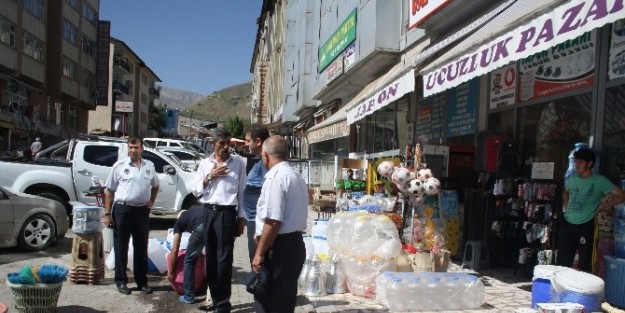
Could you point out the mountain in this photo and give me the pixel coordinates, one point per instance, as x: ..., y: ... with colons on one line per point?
x: 176, y: 98
x: 228, y: 102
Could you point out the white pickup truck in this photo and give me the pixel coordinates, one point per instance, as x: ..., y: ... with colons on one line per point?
x: 64, y: 172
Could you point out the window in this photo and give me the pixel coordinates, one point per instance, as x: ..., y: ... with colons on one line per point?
x: 35, y: 7
x: 612, y: 160
x: 159, y: 163
x: 88, y: 79
x: 144, y: 79
x: 144, y: 98
x: 69, y: 68
x: 183, y: 155
x: 72, y: 3
x: 73, y: 118
x: 33, y: 47
x: 59, y: 114
x: 89, y: 14
x: 88, y: 46
x: 151, y: 143
x: 7, y: 32
x: 70, y: 32
x: 101, y: 155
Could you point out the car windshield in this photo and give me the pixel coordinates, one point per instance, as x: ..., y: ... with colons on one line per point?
x: 176, y: 160
x: 187, y: 146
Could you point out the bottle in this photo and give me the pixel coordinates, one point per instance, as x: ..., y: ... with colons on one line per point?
x: 571, y: 169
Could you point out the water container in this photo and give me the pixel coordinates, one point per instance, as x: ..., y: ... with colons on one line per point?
x: 158, y: 255
x: 184, y: 240
x: 619, y: 230
x: 541, y: 285
x: 107, y: 239
x: 578, y: 287
x: 87, y: 219
x: 571, y: 169
x: 320, y: 228
x: 615, y: 281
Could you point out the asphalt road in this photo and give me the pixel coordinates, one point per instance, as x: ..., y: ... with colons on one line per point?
x: 104, y: 297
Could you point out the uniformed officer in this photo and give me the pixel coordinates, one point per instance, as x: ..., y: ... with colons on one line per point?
x: 130, y: 192
x: 281, y: 217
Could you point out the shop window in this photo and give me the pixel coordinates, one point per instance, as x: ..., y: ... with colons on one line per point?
x: 548, y: 131
x: 73, y: 118
x: 612, y: 163
x: 378, y: 132
x: 501, y: 123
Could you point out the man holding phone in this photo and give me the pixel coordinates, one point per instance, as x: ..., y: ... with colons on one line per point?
x: 220, y: 182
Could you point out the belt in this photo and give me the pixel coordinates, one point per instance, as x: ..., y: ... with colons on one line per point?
x: 130, y: 204
x: 218, y: 207
x: 292, y: 234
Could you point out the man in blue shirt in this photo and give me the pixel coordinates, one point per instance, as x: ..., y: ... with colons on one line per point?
x: 255, y: 135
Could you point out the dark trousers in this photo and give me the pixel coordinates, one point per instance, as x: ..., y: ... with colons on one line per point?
x: 220, y: 227
x: 129, y: 221
x: 251, y: 243
x: 194, y: 251
x: 574, y: 237
x: 284, y: 261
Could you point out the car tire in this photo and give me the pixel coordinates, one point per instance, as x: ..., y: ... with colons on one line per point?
x: 37, y: 233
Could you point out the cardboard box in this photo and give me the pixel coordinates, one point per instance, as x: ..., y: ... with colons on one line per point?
x: 560, y: 308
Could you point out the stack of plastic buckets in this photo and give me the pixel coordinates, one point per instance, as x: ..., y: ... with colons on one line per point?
x: 615, y: 266
x: 541, y: 282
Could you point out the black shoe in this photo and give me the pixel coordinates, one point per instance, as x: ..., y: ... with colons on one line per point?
x: 123, y: 289
x: 208, y: 308
x: 146, y: 290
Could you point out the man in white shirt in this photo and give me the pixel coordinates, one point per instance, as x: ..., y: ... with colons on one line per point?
x: 281, y: 216
x: 35, y: 147
x: 220, y: 181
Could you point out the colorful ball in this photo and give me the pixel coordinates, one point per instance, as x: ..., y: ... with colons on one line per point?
x: 401, y: 176
x: 432, y: 186
x: 386, y: 169
x: 424, y: 174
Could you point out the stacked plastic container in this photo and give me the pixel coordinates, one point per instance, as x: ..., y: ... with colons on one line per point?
x: 401, y: 291
x: 541, y: 282
x: 578, y: 287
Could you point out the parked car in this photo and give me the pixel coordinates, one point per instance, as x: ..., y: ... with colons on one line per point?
x: 190, y: 158
x: 30, y: 222
x: 63, y: 172
x: 167, y: 142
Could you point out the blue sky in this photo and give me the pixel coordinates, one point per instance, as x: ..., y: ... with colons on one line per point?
x: 194, y: 45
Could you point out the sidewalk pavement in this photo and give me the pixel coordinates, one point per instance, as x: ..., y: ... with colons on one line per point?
x: 504, y: 291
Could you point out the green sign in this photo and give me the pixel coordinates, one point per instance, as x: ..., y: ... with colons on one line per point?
x: 342, y: 37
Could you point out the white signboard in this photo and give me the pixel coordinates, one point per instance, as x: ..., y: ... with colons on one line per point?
x: 568, y: 21
x: 420, y: 10
x: 124, y: 106
x: 503, y: 87
x: 380, y: 99
x: 542, y: 170
x: 617, y: 51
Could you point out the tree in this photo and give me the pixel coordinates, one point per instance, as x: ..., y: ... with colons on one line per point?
x: 235, y: 126
x: 159, y: 123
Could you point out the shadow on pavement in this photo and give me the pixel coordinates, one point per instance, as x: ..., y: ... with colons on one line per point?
x: 77, y: 309
x: 55, y: 251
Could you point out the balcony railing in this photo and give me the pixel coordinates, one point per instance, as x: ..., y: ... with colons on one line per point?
x: 156, y: 92
x: 119, y: 87
x: 122, y: 62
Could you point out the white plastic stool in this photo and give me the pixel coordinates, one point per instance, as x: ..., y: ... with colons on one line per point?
x: 475, y: 255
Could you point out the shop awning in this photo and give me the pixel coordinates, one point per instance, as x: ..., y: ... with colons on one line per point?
x: 333, y: 127
x: 521, y: 30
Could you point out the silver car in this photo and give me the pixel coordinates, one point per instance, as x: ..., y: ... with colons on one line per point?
x: 30, y: 222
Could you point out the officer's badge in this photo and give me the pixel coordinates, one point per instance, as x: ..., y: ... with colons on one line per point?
x: 126, y: 171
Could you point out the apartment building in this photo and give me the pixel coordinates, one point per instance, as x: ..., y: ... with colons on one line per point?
x: 131, y: 94
x: 47, y: 69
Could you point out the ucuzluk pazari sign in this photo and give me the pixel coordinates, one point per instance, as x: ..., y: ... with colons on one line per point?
x: 570, y: 20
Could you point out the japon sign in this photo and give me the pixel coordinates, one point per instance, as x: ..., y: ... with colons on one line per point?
x: 380, y: 99
x: 566, y: 22
x: 420, y: 10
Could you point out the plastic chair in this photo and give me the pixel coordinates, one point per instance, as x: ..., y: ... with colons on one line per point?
x: 476, y: 255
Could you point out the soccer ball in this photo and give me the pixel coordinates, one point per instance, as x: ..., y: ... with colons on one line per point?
x: 416, y: 187
x: 400, y: 176
x: 432, y: 186
x: 386, y: 169
x: 424, y: 174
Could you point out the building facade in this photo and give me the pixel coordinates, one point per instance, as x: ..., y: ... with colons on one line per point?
x: 131, y: 94
x: 47, y: 69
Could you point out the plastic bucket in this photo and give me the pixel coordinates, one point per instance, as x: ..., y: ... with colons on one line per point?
x: 615, y: 281
x: 86, y: 219
x: 579, y: 287
x: 541, y: 285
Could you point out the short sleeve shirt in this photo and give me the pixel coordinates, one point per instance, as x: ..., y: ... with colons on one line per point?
x: 585, y: 194
x: 284, y: 198
x: 189, y: 220
x: 130, y: 183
